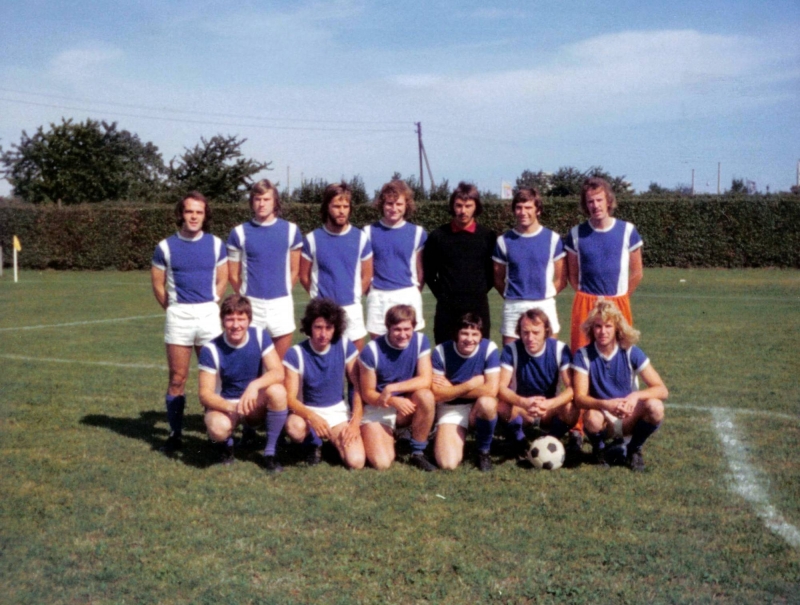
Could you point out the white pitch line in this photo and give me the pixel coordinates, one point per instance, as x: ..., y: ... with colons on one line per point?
x: 747, y: 481
x: 146, y: 366
x: 80, y: 323
x: 711, y: 409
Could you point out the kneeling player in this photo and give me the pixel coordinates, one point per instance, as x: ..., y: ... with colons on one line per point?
x: 607, y: 386
x: 241, y: 382
x: 465, y: 376
x: 531, y: 369
x: 395, y: 377
x: 315, y: 373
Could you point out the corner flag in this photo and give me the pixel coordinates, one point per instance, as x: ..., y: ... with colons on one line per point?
x: 17, y: 248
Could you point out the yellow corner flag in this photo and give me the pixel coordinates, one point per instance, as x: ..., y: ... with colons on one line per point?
x: 17, y: 245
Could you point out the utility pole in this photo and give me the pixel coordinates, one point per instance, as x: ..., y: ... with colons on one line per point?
x: 421, y: 151
x: 692, y: 181
x: 288, y: 179
x: 719, y: 168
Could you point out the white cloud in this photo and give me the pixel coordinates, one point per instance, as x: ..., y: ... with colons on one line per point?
x: 83, y: 64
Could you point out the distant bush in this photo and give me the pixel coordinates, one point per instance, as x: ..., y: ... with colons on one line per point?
x: 707, y: 231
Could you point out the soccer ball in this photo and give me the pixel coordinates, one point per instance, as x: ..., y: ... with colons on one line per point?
x: 546, y: 453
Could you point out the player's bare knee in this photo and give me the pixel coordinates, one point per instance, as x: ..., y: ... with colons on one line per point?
x: 593, y: 421
x: 425, y: 400
x: 218, y: 426
x: 296, y: 428
x: 275, y: 395
x: 653, y: 411
x: 487, y: 407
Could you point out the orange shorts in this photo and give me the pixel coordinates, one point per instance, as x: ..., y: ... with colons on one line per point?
x: 582, y: 305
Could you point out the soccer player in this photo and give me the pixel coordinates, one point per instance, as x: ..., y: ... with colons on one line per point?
x: 397, y: 257
x: 241, y: 382
x: 604, y: 257
x: 457, y: 260
x: 536, y: 383
x: 336, y: 260
x: 466, y: 373
x: 607, y: 386
x: 395, y: 380
x: 315, y: 373
x: 263, y: 264
x: 189, y: 275
x: 528, y: 265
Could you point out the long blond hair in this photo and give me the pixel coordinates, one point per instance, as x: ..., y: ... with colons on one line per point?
x: 605, y: 310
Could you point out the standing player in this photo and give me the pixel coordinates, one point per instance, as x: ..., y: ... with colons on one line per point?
x: 241, y: 382
x: 315, y: 373
x: 189, y: 275
x: 528, y: 265
x: 395, y: 380
x: 531, y: 371
x: 607, y: 386
x: 604, y: 257
x: 458, y: 264
x: 465, y: 377
x: 397, y: 261
x: 336, y: 261
x: 263, y: 263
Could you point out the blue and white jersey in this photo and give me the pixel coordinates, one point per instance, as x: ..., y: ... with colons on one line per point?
x: 614, y: 376
x: 395, y: 249
x: 530, y: 263
x: 191, y: 267
x: 264, y: 249
x: 536, y: 375
x: 336, y: 263
x: 603, y: 256
x: 394, y: 365
x: 235, y: 367
x: 451, y: 364
x: 322, y: 375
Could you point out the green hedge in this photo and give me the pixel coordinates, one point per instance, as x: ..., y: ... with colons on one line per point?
x: 708, y: 231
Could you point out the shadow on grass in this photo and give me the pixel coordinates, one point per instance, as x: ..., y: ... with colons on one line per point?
x: 196, y: 451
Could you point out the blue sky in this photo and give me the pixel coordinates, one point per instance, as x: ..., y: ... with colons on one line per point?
x: 330, y: 89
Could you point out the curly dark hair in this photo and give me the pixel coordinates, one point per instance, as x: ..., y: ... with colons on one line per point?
x: 329, y: 311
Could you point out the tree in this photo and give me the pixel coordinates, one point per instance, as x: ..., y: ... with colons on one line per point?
x: 440, y: 192
x: 83, y: 162
x: 657, y: 189
x: 216, y: 168
x: 568, y: 180
x: 534, y: 180
x: 737, y: 186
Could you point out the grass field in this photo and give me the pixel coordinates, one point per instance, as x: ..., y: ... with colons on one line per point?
x: 91, y: 513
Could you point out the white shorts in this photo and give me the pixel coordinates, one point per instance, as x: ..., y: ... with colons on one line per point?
x: 614, y: 425
x: 334, y: 415
x: 387, y: 415
x: 457, y: 413
x: 276, y: 315
x: 512, y: 309
x: 192, y: 324
x: 380, y: 301
x: 355, y: 322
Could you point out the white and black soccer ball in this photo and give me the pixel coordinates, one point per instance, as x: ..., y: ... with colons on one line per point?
x: 546, y: 453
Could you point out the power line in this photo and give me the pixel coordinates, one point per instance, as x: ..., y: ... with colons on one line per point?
x: 191, y: 112
x: 204, y: 122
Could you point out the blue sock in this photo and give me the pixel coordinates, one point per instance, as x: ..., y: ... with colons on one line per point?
x: 484, y: 433
x: 175, y: 406
x: 558, y: 428
x: 312, y: 439
x: 274, y: 422
x: 417, y: 447
x: 641, y: 431
x: 514, y: 430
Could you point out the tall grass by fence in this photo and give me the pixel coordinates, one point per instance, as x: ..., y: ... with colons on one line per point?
x: 707, y: 231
